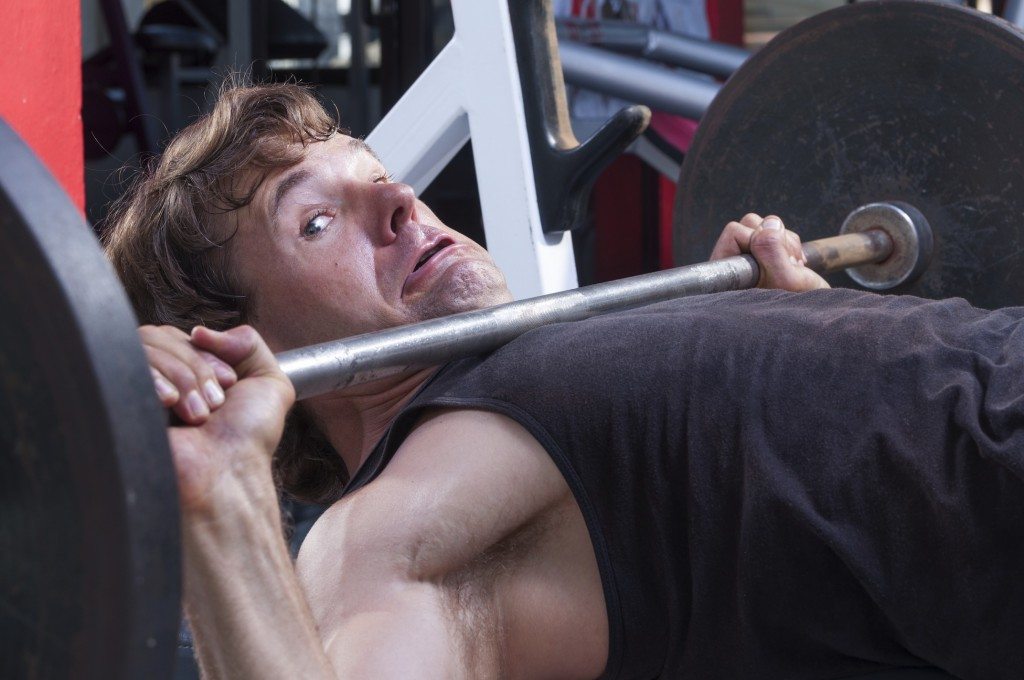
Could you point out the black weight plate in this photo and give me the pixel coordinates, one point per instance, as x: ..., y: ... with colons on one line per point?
x: 890, y: 100
x: 89, y: 528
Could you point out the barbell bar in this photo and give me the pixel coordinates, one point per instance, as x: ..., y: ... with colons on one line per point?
x: 883, y: 245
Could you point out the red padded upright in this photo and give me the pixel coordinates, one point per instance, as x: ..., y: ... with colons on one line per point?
x: 725, y: 18
x: 41, y: 72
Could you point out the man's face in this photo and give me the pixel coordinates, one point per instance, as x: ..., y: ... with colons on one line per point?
x: 331, y: 247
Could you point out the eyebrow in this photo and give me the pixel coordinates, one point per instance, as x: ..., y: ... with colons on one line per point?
x: 363, y: 146
x: 300, y: 175
x: 290, y: 181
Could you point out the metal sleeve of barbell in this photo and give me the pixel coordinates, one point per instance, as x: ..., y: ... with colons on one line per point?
x: 849, y: 250
x: 332, y: 366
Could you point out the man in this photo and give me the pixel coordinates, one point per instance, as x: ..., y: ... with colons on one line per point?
x: 679, y: 491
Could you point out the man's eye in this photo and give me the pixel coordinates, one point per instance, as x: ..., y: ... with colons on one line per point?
x: 317, y: 224
x: 383, y: 179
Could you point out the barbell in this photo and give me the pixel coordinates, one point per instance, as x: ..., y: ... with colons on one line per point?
x: 89, y: 534
x: 884, y: 245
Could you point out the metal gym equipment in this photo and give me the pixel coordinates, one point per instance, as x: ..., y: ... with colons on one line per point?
x: 696, y: 54
x: 89, y: 544
x: 499, y: 79
x: 636, y: 80
x: 877, y: 101
x: 90, y: 558
x: 477, y: 86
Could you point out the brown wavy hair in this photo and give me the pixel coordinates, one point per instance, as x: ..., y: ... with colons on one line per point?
x: 169, y: 236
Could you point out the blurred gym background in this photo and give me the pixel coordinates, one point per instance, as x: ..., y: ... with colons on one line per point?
x: 361, y: 55
x: 148, y: 67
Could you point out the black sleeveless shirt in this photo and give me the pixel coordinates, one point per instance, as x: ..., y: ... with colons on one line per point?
x: 781, y: 486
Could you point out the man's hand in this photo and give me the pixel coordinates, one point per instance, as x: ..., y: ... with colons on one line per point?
x: 249, y: 615
x: 776, y: 250
x: 231, y: 399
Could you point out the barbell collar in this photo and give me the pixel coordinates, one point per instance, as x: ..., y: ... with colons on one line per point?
x: 336, y: 365
x: 911, y: 250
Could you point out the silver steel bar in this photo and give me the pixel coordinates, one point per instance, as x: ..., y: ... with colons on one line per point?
x: 333, y: 366
x: 1014, y: 12
x: 700, y: 55
x: 703, y: 56
x: 636, y: 80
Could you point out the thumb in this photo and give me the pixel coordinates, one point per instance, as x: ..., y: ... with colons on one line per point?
x: 768, y: 246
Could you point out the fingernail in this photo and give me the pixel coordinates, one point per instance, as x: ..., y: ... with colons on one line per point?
x: 214, y: 394
x: 196, y: 406
x: 793, y: 261
x: 772, y: 223
x: 164, y: 388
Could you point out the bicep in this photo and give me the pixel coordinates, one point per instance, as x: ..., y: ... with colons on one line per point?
x: 377, y: 566
x: 469, y: 479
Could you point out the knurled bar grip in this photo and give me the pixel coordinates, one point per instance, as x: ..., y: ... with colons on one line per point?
x: 332, y: 366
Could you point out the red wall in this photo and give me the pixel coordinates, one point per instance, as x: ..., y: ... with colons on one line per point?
x: 41, y: 83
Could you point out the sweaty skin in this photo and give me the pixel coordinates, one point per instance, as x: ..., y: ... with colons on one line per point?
x: 468, y: 556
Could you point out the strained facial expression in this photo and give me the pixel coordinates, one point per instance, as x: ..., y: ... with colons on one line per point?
x: 331, y: 247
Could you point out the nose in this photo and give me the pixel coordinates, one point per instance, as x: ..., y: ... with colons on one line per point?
x: 398, y: 208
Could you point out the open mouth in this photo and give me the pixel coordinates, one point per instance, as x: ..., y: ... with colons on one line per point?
x: 441, y: 245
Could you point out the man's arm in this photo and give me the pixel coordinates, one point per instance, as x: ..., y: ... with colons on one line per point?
x: 466, y: 558
x: 243, y: 601
x: 385, y: 617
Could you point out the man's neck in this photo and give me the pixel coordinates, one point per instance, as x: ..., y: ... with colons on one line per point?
x: 355, y: 419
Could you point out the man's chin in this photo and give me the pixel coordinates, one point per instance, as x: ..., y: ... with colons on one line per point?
x: 463, y: 288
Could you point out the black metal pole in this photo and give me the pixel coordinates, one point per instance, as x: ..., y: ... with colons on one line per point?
x: 130, y: 75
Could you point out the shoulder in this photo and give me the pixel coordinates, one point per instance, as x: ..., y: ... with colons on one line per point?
x: 427, y: 553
